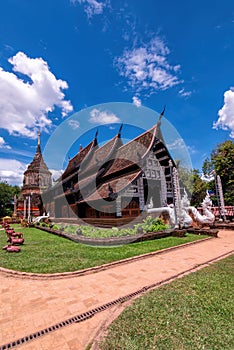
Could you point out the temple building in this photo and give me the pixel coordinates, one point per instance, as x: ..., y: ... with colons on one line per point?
x: 114, y: 180
x: 37, y: 178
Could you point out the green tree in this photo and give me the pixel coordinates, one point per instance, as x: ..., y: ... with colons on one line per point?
x: 194, y: 185
x: 222, y: 161
x: 7, y: 193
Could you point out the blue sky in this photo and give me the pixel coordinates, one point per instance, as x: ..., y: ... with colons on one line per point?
x: 60, y: 57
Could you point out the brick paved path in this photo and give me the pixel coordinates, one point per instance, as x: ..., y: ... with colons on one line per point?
x: 28, y: 305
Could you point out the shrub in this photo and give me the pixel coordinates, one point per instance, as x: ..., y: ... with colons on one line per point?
x: 153, y: 224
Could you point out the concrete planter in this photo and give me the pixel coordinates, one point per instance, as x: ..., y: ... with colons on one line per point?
x: 204, y: 231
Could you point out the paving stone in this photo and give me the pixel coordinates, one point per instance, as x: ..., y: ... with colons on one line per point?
x: 28, y: 305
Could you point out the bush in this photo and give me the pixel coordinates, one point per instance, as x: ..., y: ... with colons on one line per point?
x: 153, y: 224
x: 148, y: 225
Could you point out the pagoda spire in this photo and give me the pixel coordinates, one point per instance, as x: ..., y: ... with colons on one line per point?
x: 39, y: 138
x: 38, y: 142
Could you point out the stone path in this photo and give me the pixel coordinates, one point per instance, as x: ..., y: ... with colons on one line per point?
x: 29, y: 305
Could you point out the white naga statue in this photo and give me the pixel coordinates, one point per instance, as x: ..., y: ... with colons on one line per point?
x: 181, y: 219
x: 151, y: 203
x: 207, y: 217
x: 184, y: 220
x: 40, y: 218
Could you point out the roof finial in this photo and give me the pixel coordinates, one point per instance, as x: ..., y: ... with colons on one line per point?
x: 120, y: 129
x: 161, y: 115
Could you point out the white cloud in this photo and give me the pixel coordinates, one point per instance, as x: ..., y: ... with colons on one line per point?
x: 92, y: 7
x: 147, y: 68
x: 74, y: 124
x: 136, y: 101
x: 55, y: 174
x: 3, y: 143
x: 191, y: 150
x: 12, y: 171
x: 185, y: 93
x: 24, y: 105
x: 226, y: 113
x: 103, y: 117
x: 179, y: 144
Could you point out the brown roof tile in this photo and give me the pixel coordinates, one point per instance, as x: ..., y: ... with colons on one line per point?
x: 100, y: 155
x: 82, y: 183
x: 117, y: 184
x: 133, y: 151
x: 77, y: 159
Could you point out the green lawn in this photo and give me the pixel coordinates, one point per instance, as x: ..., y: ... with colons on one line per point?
x: 46, y: 253
x: 192, y: 313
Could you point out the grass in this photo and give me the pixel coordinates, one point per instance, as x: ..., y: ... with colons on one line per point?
x: 192, y: 313
x: 46, y: 253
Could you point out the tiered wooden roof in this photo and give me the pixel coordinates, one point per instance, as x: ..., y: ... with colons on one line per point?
x: 132, y: 152
x: 113, y: 166
x: 124, y: 168
x: 100, y: 156
x: 117, y: 185
x: 76, y: 161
